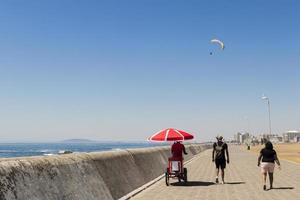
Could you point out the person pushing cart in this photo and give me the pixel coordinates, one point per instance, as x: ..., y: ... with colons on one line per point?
x: 175, y: 167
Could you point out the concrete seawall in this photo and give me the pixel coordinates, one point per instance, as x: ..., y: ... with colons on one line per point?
x: 84, y: 176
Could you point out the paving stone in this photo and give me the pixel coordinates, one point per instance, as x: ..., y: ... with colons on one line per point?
x: 242, y: 177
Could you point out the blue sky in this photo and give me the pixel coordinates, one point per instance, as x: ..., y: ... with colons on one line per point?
x: 122, y: 70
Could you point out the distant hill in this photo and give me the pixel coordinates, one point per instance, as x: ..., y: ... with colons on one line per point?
x: 78, y: 141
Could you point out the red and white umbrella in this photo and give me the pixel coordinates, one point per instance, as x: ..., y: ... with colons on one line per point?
x: 171, y: 134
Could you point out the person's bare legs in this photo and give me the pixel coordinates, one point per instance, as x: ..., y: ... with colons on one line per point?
x: 264, y: 175
x: 217, y: 175
x: 223, y: 175
x: 271, y: 180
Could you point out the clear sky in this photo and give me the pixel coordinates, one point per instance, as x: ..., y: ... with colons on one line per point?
x: 122, y: 70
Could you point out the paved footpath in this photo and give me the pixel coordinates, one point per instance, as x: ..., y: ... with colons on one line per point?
x: 243, y: 181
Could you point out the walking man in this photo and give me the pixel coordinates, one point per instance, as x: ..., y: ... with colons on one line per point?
x: 218, y: 156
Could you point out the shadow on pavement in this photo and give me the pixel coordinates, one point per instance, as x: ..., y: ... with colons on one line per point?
x: 282, y: 188
x: 235, y: 183
x: 193, y: 183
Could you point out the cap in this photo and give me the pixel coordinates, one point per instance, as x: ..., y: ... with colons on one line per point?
x: 219, y: 137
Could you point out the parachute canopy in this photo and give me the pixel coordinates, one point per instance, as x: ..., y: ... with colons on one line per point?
x: 219, y: 42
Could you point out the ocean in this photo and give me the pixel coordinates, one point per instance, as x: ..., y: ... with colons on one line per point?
x: 8, y: 150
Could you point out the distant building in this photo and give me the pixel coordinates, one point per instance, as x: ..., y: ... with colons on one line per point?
x: 263, y: 138
x: 291, y: 136
x: 275, y: 138
x: 245, y: 137
x: 242, y: 137
x: 254, y: 140
x: 297, y: 139
x: 237, y: 137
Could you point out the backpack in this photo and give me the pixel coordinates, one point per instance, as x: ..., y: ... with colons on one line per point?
x: 218, y: 151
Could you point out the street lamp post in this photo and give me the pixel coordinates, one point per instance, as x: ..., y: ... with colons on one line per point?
x: 269, y: 108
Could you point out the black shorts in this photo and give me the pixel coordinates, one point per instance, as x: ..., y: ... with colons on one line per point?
x: 220, y: 163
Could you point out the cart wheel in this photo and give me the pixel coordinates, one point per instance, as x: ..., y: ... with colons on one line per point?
x: 185, y: 178
x: 167, y: 178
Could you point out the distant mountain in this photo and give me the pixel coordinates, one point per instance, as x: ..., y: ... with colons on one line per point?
x: 78, y: 141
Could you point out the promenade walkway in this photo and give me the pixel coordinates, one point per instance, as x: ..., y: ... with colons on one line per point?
x: 243, y: 181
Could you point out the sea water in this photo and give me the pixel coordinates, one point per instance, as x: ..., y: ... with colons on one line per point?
x: 37, y: 149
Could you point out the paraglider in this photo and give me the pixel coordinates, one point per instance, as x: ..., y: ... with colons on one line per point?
x: 219, y: 42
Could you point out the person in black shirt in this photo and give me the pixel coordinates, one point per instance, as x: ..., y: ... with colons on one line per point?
x: 266, y: 161
x: 218, y: 156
